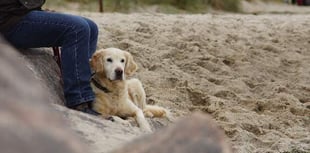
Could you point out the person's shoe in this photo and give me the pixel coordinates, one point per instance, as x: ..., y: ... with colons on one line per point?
x: 86, y: 108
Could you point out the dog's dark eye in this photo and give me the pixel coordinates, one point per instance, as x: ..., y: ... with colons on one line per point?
x: 110, y: 60
x: 122, y: 60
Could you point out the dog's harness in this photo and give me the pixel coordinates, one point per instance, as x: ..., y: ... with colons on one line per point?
x: 98, y: 85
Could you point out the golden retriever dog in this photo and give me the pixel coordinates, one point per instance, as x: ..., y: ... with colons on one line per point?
x: 116, y: 95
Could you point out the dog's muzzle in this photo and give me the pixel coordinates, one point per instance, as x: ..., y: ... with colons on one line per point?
x: 119, y: 74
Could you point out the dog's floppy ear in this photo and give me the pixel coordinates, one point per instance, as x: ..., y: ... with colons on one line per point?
x: 131, y: 65
x: 96, y: 62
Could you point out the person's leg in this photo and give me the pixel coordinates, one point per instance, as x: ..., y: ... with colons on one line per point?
x: 77, y: 39
x: 93, y: 36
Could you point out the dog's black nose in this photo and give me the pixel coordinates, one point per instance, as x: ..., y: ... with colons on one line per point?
x: 119, y: 72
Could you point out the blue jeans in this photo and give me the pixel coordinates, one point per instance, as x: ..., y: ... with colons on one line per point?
x: 77, y: 37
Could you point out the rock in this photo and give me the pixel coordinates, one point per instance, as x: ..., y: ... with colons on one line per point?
x: 195, y: 134
x: 31, y: 119
x: 46, y: 70
x: 99, y: 134
x: 27, y: 124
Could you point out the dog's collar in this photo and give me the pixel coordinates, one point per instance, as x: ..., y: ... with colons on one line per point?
x: 99, y: 86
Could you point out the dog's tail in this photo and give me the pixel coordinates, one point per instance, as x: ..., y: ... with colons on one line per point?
x: 156, y: 111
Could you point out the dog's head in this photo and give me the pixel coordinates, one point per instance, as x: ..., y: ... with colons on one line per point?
x: 114, y: 63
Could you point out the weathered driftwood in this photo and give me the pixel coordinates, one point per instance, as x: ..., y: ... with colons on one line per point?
x: 27, y: 124
x: 195, y: 134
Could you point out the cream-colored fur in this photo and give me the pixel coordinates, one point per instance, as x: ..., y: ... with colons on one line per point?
x: 126, y: 98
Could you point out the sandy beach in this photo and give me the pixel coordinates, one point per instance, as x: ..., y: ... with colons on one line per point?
x: 251, y: 73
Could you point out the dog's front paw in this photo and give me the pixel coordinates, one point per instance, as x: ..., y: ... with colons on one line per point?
x: 121, y: 121
x: 110, y: 118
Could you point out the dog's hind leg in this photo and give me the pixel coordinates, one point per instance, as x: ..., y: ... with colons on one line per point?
x: 157, y: 111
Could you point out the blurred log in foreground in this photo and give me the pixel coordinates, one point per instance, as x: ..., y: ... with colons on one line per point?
x: 194, y: 134
x: 27, y: 123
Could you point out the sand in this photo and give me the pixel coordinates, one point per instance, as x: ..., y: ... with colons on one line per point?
x: 251, y: 73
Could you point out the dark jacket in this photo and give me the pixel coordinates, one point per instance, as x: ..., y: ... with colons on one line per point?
x: 11, y: 11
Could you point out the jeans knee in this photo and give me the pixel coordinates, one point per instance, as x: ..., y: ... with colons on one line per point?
x: 93, y: 27
x: 84, y: 26
x: 80, y: 27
